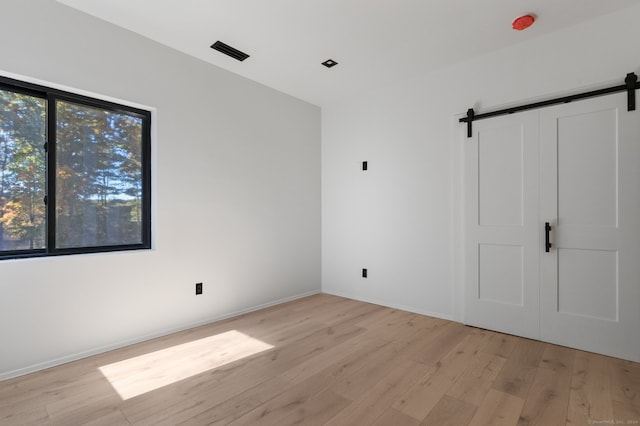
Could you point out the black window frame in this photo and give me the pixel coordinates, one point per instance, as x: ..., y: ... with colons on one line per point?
x: 51, y: 96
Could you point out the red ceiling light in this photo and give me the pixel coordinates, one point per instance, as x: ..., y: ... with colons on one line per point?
x: 523, y: 22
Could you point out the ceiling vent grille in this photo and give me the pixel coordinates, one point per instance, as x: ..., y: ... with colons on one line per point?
x: 229, y: 51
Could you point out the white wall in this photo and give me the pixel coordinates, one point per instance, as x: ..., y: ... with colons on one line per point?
x: 236, y: 195
x: 402, y: 219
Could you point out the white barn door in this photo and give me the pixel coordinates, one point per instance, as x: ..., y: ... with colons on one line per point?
x: 590, y: 192
x: 501, y: 225
x: 577, y: 167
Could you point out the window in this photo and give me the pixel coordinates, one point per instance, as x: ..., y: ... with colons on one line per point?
x: 74, y: 173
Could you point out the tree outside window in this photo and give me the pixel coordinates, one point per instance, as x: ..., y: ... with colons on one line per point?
x: 74, y: 174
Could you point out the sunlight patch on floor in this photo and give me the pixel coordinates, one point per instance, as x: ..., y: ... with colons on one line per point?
x: 145, y: 373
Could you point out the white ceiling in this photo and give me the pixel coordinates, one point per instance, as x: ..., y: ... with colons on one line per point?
x: 374, y: 41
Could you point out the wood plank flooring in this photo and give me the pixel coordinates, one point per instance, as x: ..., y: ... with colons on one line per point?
x: 326, y: 360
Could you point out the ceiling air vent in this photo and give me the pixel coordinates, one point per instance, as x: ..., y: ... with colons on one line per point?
x: 229, y: 51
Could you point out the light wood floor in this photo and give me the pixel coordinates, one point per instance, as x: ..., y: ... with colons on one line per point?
x: 328, y: 360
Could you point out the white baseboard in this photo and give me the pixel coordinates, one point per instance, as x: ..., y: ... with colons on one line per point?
x: 128, y: 342
x: 391, y: 305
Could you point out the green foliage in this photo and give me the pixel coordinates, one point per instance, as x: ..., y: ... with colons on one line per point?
x: 22, y: 171
x: 99, y: 171
x: 98, y: 174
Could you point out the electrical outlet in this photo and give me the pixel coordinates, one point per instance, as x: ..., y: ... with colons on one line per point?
x: 364, y: 272
x: 198, y: 288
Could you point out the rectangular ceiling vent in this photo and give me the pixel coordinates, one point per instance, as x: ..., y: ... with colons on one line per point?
x: 229, y: 51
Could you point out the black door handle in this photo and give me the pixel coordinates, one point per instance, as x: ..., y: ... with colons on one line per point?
x: 547, y: 230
